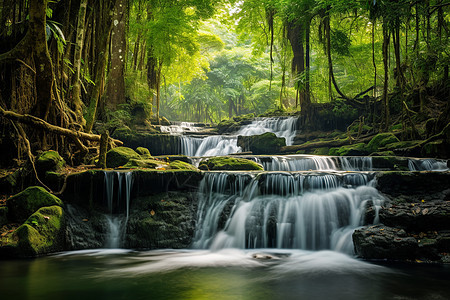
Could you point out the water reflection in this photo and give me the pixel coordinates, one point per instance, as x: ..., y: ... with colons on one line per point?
x: 225, y: 274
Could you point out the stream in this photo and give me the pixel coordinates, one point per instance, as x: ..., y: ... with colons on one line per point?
x: 285, y: 233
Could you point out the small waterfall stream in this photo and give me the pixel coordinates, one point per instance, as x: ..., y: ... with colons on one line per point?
x: 227, y: 144
x: 118, y: 201
x: 312, y: 211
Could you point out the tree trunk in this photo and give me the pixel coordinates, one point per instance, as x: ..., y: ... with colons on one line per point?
x: 295, y: 37
x: 327, y: 29
x: 76, y: 89
x: 44, y: 67
x: 385, y: 49
x: 115, y: 87
x: 102, y: 35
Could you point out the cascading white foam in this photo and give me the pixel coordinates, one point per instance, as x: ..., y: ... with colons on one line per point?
x: 223, y: 144
x: 283, y: 210
x: 114, y: 199
x: 427, y: 165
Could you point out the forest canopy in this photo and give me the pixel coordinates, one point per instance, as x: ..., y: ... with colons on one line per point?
x: 73, y: 69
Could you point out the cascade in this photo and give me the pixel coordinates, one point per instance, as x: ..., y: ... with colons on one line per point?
x: 117, y: 200
x: 310, y: 162
x: 310, y: 211
x: 427, y: 165
x: 180, y: 128
x: 223, y: 145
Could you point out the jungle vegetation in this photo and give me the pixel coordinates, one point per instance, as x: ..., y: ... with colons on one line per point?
x: 69, y: 69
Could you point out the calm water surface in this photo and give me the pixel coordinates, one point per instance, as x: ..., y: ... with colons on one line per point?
x: 225, y: 274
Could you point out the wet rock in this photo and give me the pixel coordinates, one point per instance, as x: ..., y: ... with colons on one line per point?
x: 229, y: 163
x: 266, y: 143
x: 85, y: 229
x: 23, y: 204
x: 417, y: 216
x: 144, y: 163
x: 414, y: 186
x: 165, y: 220
x: 382, y: 242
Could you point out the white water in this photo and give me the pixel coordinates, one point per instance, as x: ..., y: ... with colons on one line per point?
x: 115, y: 199
x: 427, y: 165
x: 282, y: 210
x: 310, y: 162
x: 223, y: 145
x: 183, y: 127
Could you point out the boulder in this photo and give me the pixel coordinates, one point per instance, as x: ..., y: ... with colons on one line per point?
x: 143, y: 151
x: 381, y: 140
x: 266, y: 143
x: 144, y: 163
x: 25, y: 203
x: 181, y: 165
x: 119, y: 156
x: 42, y: 233
x: 165, y: 220
x: 230, y: 164
x: 417, y: 217
x: 382, y: 242
x: 49, y: 161
x: 350, y: 150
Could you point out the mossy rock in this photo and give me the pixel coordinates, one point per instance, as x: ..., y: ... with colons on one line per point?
x: 25, y: 203
x: 383, y: 153
x: 266, y: 143
x: 119, y: 156
x: 181, y: 165
x: 143, y: 151
x: 41, y: 233
x: 321, y: 151
x: 381, y: 140
x: 350, y: 150
x: 436, y: 149
x: 144, y: 163
x: 49, y: 161
x: 229, y: 163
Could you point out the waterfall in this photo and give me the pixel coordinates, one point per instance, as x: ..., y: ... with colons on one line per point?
x: 310, y: 211
x: 117, y: 200
x: 427, y: 165
x: 311, y: 162
x: 223, y: 145
x: 180, y: 128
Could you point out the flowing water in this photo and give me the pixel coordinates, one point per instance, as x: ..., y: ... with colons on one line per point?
x: 227, y: 144
x: 117, y: 200
x: 284, y: 233
x: 226, y: 274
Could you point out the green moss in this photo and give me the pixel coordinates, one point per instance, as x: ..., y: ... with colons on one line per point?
x: 383, y: 153
x: 41, y: 233
x: 229, y: 163
x: 401, y: 145
x: 143, y: 151
x: 321, y: 151
x: 119, y: 156
x: 49, y: 161
x: 435, y: 149
x: 398, y: 126
x: 22, y: 205
x: 355, y: 149
x: 381, y: 140
x: 144, y: 163
x: 178, y: 164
